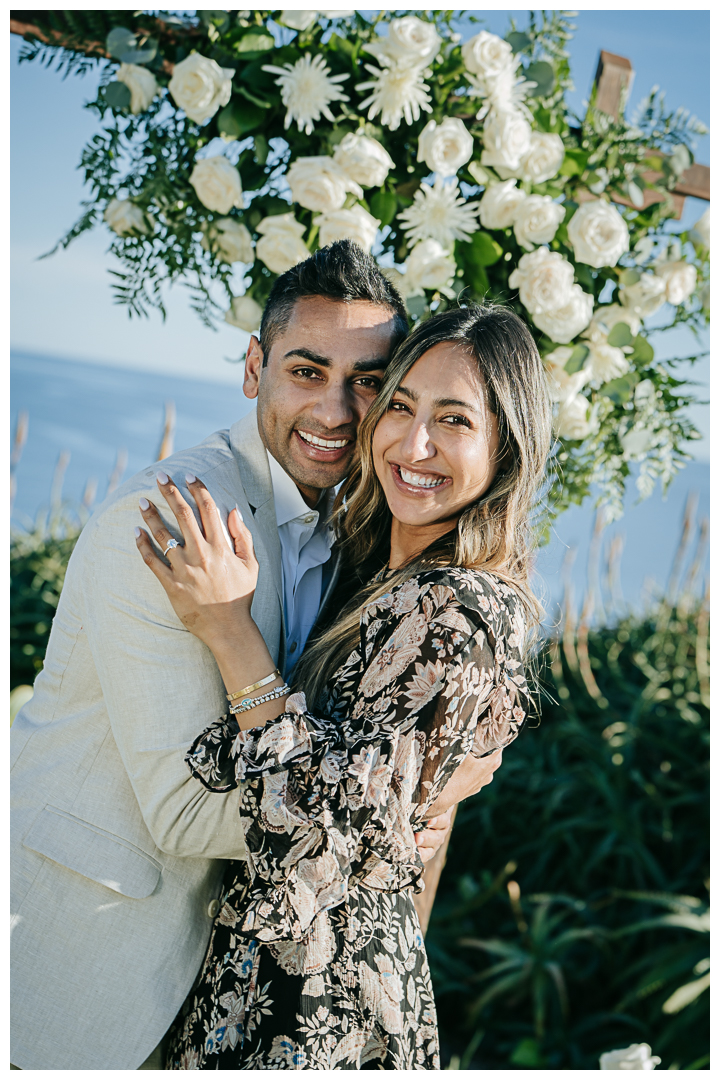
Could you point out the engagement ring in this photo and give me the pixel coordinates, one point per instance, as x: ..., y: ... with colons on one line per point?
x: 171, y: 544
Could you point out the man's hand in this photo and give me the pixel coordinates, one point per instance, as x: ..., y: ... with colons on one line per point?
x: 468, y: 779
x: 432, y: 839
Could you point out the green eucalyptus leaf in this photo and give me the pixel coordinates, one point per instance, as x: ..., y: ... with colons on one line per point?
x: 543, y: 74
x: 518, y: 41
x: 620, y: 390
x: 219, y: 19
x: 383, y: 206
x: 117, y: 95
x: 141, y: 56
x: 620, y: 335
x: 119, y: 41
x: 575, y: 163
x: 482, y: 250
x: 577, y: 359
x: 238, y: 118
x: 254, y: 44
x: 416, y: 306
x: 261, y: 149
x: 643, y: 352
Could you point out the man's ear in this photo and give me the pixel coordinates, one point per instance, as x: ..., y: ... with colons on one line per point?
x: 253, y: 366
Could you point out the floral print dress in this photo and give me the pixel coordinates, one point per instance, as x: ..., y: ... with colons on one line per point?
x: 316, y: 959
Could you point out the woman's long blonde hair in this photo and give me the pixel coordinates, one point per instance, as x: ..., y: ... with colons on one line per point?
x: 494, y: 532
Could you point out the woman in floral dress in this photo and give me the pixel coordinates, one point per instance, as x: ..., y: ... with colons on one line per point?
x: 316, y: 959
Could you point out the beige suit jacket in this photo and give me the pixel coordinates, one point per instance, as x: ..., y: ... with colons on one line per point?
x: 115, y: 846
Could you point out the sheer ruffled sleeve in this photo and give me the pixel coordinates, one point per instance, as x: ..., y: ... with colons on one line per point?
x: 327, y: 801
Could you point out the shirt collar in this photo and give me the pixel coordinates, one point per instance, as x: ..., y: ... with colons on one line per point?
x: 289, y: 503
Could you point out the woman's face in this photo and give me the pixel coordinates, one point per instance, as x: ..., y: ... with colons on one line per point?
x: 436, y: 449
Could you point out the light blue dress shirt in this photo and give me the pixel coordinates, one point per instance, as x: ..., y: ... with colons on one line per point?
x: 306, y: 543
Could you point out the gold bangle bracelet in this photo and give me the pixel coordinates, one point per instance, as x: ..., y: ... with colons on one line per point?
x: 254, y: 686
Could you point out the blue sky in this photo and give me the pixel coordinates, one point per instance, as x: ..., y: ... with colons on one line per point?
x: 63, y: 306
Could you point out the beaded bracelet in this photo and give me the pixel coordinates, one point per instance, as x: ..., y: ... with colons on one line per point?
x: 252, y: 703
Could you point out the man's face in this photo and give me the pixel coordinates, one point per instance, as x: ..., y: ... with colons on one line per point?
x: 321, y: 377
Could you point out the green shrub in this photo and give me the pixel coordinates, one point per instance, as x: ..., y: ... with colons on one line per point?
x: 546, y: 943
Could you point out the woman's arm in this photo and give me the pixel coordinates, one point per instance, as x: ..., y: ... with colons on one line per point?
x: 211, y: 586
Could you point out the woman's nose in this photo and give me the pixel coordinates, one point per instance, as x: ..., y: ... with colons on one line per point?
x: 417, y: 444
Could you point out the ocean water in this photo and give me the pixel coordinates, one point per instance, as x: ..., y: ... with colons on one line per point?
x: 94, y: 411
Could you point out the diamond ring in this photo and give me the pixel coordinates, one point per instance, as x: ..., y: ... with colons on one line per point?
x: 172, y: 543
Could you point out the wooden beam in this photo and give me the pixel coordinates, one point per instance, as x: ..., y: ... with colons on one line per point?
x: 695, y: 181
x: 614, y: 75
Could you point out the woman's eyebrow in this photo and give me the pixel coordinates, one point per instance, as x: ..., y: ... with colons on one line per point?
x: 438, y: 403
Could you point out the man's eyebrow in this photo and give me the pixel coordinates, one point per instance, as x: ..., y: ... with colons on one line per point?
x: 439, y: 403
x: 376, y: 363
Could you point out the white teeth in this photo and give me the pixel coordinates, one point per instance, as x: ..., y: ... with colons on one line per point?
x: 418, y: 480
x: 324, y: 444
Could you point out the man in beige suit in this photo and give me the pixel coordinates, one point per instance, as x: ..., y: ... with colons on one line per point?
x: 117, y: 850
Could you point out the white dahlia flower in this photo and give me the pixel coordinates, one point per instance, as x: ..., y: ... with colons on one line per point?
x: 281, y: 245
x: 200, y: 86
x: 245, y: 313
x: 141, y: 83
x: 397, y: 92
x: 536, y: 221
x: 562, y: 324
x: 445, y: 148
x: 507, y: 137
x: 500, y: 203
x: 409, y: 40
x: 349, y: 223
x: 598, y: 234
x: 364, y: 159
x: 307, y: 88
x: 544, y: 280
x: 439, y: 213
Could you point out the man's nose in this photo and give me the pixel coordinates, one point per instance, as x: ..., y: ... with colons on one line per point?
x: 417, y: 444
x: 333, y: 408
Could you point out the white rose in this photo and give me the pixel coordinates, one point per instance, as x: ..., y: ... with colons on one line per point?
x: 606, y: 362
x: 486, y: 54
x: 598, y: 234
x: 351, y: 223
x: 429, y: 266
x: 637, y: 1056
x: 700, y: 232
x: 507, y: 139
x: 409, y: 40
x: 566, y: 322
x: 562, y: 384
x: 445, y: 148
x: 537, y: 220
x: 298, y: 20
x: 281, y: 245
x: 245, y: 313
x: 680, y: 280
x: 543, y: 159
x: 610, y: 315
x: 544, y: 280
x: 318, y: 183
x: 230, y: 241
x: 645, y: 296
x: 573, y: 420
x: 125, y: 218
x: 141, y: 83
x: 200, y: 87
x: 500, y: 204
x: 217, y: 184
x: 364, y: 159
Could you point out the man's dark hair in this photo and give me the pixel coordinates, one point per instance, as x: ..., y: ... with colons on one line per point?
x: 341, y: 271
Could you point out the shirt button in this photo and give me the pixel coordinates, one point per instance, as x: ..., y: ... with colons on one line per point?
x: 293, y: 647
x: 213, y: 908
x: 308, y: 519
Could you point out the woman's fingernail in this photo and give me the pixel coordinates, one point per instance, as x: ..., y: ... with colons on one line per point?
x: 238, y: 511
x: 144, y: 504
x: 137, y: 532
x: 189, y: 478
x: 163, y: 477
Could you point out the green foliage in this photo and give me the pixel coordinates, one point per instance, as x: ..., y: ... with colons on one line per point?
x: 38, y: 561
x: 574, y: 903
